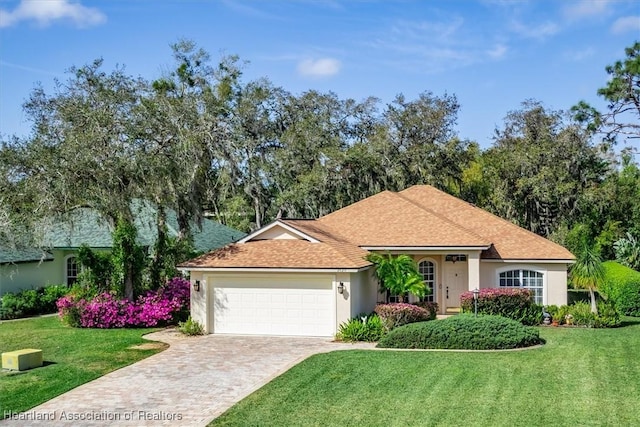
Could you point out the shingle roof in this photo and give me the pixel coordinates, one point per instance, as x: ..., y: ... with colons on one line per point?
x: 16, y: 255
x: 509, y: 240
x: 86, y: 226
x: 284, y: 253
x: 387, y: 219
x: 420, y: 216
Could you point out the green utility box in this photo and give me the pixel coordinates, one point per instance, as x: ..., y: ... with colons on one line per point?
x: 21, y: 360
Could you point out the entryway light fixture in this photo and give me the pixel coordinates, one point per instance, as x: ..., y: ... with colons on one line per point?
x: 341, y: 288
x: 196, y: 286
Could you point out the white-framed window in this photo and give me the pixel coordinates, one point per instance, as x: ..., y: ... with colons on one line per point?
x: 522, y: 278
x: 71, y: 270
x: 427, y: 269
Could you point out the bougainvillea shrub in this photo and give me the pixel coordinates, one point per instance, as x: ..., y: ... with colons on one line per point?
x: 513, y: 303
x: 168, y: 305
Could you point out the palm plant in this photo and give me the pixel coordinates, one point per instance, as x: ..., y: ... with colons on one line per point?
x: 588, y: 273
x: 628, y: 251
x: 399, y: 275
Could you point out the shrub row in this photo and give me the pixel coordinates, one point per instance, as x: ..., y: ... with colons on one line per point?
x: 622, y: 287
x: 579, y: 314
x: 464, y: 331
x: 31, y: 302
x: 361, y: 328
x: 168, y: 305
x: 513, y: 303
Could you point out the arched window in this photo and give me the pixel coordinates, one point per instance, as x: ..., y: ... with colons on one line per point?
x: 427, y: 269
x: 527, y: 279
x: 71, y: 270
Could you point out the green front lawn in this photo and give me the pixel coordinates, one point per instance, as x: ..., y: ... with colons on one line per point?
x: 72, y: 357
x: 586, y: 377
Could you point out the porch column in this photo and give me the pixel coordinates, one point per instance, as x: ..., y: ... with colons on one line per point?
x: 473, y: 264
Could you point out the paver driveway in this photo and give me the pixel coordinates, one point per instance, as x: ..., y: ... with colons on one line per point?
x: 189, y: 384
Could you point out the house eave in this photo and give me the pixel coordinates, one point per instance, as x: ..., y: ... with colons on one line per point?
x: 530, y: 260
x: 425, y: 248
x: 278, y: 223
x: 272, y: 269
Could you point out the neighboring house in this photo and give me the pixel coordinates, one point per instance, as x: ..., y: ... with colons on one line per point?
x: 27, y: 265
x: 306, y: 277
x: 28, y: 269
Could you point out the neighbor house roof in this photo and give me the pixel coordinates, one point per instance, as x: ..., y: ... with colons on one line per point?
x: 420, y: 217
x: 86, y: 226
x: 17, y: 255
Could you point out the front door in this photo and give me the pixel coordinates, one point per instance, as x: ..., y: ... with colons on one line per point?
x: 455, y: 284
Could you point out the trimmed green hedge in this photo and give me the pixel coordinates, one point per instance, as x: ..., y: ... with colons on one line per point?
x: 463, y: 332
x: 622, y: 287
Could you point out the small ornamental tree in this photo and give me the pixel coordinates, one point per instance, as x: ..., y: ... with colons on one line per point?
x: 588, y: 273
x: 399, y: 275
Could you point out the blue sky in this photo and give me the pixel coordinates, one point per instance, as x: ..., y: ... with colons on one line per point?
x: 492, y: 54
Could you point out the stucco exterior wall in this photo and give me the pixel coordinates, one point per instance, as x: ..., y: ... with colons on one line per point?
x: 199, y: 301
x: 555, y: 278
x: 363, y: 293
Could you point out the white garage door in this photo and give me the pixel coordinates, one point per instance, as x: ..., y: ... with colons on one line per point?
x: 273, y: 305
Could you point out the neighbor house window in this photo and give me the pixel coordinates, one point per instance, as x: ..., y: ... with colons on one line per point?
x: 72, y: 270
x: 428, y: 271
x: 527, y: 279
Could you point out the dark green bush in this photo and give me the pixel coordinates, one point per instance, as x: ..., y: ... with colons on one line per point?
x: 31, y: 302
x: 463, y: 332
x: 622, y: 287
x: 608, y: 315
x: 361, y: 328
x: 513, y: 303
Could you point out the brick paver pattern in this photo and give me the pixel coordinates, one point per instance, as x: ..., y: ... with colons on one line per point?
x: 189, y: 384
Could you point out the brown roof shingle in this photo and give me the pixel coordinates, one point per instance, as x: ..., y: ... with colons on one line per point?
x: 420, y: 216
x: 387, y: 219
x: 285, y: 253
x: 509, y: 240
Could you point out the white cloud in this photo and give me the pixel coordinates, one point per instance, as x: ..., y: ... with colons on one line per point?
x: 626, y: 24
x: 580, y: 55
x: 323, y: 67
x: 540, y: 31
x: 586, y: 9
x: 47, y: 11
x: 498, y: 51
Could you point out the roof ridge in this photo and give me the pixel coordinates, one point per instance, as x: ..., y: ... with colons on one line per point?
x: 327, y: 230
x: 425, y: 208
x: 484, y: 211
x: 354, y: 204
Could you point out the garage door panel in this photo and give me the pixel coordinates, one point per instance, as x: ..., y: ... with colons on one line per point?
x: 280, y: 306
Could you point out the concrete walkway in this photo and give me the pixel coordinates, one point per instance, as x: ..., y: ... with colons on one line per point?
x: 189, y: 384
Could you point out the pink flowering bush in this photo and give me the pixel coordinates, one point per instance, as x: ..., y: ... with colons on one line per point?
x: 398, y: 314
x: 169, y: 304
